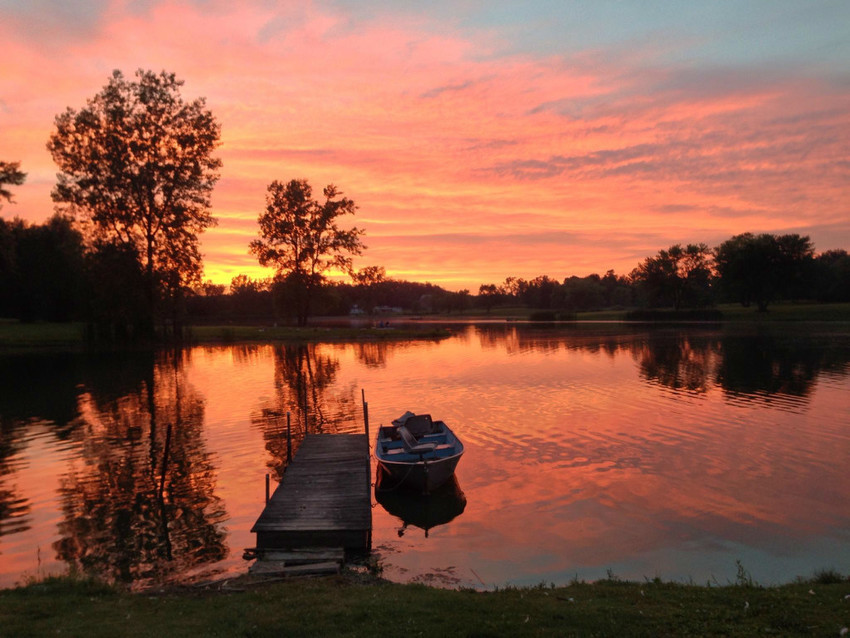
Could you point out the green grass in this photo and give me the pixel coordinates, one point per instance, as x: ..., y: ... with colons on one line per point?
x: 43, y: 335
x: 732, y: 313
x: 787, y: 312
x: 15, y: 335
x: 341, y: 606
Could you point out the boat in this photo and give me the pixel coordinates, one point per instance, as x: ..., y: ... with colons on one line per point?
x: 417, y: 452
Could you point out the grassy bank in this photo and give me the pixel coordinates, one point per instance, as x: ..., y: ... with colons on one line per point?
x: 736, y: 313
x: 732, y: 313
x: 15, y: 335
x: 839, y: 312
x: 341, y: 606
x: 22, y: 336
x: 40, y: 335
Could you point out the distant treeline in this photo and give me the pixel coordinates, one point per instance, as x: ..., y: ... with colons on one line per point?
x: 749, y: 269
x: 49, y: 273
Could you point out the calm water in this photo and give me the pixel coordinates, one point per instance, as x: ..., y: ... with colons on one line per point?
x: 590, y: 450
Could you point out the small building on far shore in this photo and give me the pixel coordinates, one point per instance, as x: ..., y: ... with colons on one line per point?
x: 387, y: 310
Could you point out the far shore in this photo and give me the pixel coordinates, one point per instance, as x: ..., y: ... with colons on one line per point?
x: 23, y: 336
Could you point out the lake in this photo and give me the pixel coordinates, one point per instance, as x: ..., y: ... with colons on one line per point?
x: 592, y: 450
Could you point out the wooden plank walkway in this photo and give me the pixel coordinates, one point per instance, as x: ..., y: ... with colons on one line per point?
x: 324, y: 499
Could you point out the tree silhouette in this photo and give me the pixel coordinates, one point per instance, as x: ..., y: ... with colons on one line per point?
x: 760, y: 268
x: 41, y: 270
x: 677, y: 276
x: 301, y: 238
x: 10, y: 173
x: 137, y: 161
x: 368, y: 281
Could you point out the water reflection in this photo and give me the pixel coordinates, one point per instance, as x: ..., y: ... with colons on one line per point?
x: 753, y: 362
x: 14, y: 507
x: 304, y: 381
x: 761, y: 364
x: 416, y: 509
x: 680, y: 362
x: 42, y: 388
x: 669, y: 452
x: 139, y: 501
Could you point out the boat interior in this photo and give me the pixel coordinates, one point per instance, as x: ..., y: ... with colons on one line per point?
x: 414, y: 437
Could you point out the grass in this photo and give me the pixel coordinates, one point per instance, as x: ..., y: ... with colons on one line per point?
x: 788, y: 312
x: 15, y: 335
x: 732, y: 313
x: 344, y: 606
x: 44, y: 335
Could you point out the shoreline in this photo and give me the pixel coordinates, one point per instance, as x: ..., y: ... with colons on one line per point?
x: 357, y: 603
x: 16, y: 336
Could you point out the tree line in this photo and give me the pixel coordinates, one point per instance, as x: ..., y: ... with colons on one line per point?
x: 47, y: 273
x: 750, y: 269
x: 137, y: 171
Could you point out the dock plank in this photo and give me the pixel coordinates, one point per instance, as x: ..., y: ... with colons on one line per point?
x: 324, y: 499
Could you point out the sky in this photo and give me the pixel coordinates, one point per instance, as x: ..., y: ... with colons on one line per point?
x: 480, y: 139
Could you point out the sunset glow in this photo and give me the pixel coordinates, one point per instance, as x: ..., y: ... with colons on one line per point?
x: 479, y: 140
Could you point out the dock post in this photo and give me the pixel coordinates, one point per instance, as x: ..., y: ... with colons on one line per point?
x: 368, y: 456
x: 365, y: 412
x: 267, y: 489
x: 288, y: 440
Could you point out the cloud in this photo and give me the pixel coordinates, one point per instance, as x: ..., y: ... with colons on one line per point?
x: 488, y: 157
x: 437, y: 91
x: 54, y: 24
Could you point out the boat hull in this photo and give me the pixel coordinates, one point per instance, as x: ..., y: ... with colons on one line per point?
x: 425, y: 476
x: 417, y: 452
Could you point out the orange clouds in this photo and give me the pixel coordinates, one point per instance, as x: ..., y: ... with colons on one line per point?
x: 468, y: 165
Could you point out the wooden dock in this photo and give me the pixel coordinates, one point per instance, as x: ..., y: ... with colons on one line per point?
x: 324, y: 499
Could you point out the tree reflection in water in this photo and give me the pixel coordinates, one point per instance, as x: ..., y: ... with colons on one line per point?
x: 781, y: 361
x: 139, y: 501
x: 679, y: 361
x: 24, y: 385
x: 741, y: 364
x: 14, y: 509
x: 304, y: 379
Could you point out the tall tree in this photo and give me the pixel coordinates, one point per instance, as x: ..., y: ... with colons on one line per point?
x: 369, y: 280
x: 138, y: 162
x: 10, y: 173
x: 488, y: 295
x: 41, y: 270
x: 761, y: 268
x: 831, y: 277
x: 677, y: 276
x: 302, y: 239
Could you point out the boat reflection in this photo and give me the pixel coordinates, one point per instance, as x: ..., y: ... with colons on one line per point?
x: 416, y: 509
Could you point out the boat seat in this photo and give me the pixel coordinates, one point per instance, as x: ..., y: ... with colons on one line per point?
x: 413, y: 446
x: 419, y: 424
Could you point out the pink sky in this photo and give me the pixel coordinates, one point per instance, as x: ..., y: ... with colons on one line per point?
x: 477, y: 144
